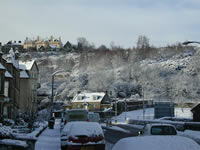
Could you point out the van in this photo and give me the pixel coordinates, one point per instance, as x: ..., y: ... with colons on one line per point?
x: 93, y: 117
x: 75, y: 115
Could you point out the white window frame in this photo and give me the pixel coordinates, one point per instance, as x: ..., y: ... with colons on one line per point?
x: 6, y: 88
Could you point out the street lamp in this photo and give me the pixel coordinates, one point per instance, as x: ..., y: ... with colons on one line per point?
x: 190, y: 42
x: 52, y: 84
x: 125, y: 108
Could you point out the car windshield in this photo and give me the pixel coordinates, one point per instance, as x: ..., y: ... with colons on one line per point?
x: 163, y: 130
x: 77, y: 117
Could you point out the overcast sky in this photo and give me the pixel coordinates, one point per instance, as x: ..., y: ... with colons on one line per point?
x: 101, y: 21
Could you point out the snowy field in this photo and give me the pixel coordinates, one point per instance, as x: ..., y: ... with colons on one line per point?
x: 149, y: 114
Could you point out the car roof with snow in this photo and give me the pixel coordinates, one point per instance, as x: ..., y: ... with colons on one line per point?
x: 83, y: 128
x: 156, y: 143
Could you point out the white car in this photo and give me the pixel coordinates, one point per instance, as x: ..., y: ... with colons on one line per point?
x: 81, y: 135
x: 156, y: 143
x: 159, y: 129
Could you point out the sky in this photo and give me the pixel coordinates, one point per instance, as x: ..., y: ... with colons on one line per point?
x: 101, y: 21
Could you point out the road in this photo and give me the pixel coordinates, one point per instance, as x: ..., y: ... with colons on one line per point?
x: 50, y: 138
x: 114, y: 134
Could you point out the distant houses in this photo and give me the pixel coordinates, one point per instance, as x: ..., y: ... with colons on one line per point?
x: 40, y: 44
x: 18, y: 84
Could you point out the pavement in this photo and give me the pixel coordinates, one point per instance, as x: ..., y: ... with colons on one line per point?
x: 50, y: 138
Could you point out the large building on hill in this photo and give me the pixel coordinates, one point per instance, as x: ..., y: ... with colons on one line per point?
x: 43, y: 43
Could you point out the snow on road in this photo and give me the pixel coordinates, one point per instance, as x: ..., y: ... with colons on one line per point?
x: 49, y: 139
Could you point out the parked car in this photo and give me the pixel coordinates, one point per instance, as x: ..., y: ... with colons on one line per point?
x: 93, y: 117
x: 156, y: 143
x: 159, y: 129
x: 81, y: 135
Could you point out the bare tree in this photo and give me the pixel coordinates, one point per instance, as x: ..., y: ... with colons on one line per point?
x: 142, y: 42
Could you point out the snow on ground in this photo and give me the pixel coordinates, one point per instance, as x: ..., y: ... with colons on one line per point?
x: 13, y: 142
x: 149, y: 114
x: 49, y: 139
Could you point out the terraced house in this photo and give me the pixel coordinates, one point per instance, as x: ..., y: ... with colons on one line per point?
x: 16, y: 90
x: 10, y: 85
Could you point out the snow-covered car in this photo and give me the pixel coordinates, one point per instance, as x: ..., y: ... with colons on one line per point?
x: 156, y: 143
x: 81, y: 135
x: 159, y: 129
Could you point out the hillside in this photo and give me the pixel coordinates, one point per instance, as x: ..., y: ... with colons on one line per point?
x: 165, y: 73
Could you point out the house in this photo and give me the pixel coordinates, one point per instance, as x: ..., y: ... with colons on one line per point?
x: 14, y: 45
x: 29, y: 75
x: 9, y: 85
x: 196, y: 113
x: 96, y: 101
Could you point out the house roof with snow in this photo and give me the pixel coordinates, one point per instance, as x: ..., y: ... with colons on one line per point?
x: 2, y: 67
x: 8, y: 75
x: 11, y: 59
x: 23, y: 74
x: 89, y: 97
x: 26, y: 65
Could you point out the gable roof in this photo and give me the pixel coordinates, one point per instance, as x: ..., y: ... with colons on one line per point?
x: 11, y: 59
x: 2, y: 67
x: 26, y: 65
x: 197, y: 106
x: 89, y: 97
x: 8, y: 75
x: 23, y: 74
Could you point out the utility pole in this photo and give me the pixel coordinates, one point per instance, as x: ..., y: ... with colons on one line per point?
x: 52, y: 88
x: 115, y: 111
x: 143, y: 102
x: 125, y: 108
x: 52, y: 94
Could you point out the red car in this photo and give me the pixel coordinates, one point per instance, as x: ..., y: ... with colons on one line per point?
x: 81, y: 135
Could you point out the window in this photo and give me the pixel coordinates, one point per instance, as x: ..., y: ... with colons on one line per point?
x: 93, y: 105
x: 78, y: 106
x: 80, y: 97
x: 5, y: 111
x: 95, y: 97
x: 163, y: 130
x: 6, y: 88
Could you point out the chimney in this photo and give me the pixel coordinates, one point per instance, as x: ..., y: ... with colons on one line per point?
x: 1, y: 53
